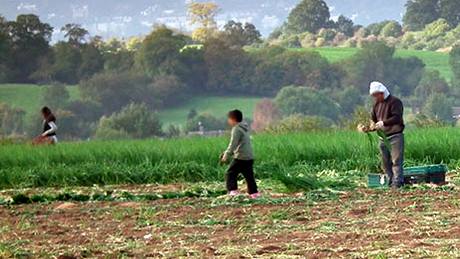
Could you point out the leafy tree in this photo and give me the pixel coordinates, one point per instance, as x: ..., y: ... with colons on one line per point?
x: 276, y: 67
x: 75, y: 34
x: 268, y: 75
x: 56, y: 96
x: 345, y: 25
x: 392, y: 29
x: 116, y: 56
x: 134, y: 120
x: 238, y: 34
x: 229, y: 68
x: 191, y: 114
x: 195, y: 72
x: 303, y: 100
x: 29, y: 43
x: 67, y: 60
x: 439, y: 106
x: 115, y: 90
x: 405, y: 74
x: 420, y: 13
x: 168, y: 89
x: 368, y: 65
x: 454, y: 60
x: 349, y: 99
x: 376, y: 28
x: 307, y: 68
x: 375, y: 61
x: 203, y: 15
x: 450, y: 10
x: 86, y: 110
x: 160, y: 51
x: 436, y: 29
x: 5, y: 50
x: 308, y: 16
x: 92, y: 61
x: 432, y: 82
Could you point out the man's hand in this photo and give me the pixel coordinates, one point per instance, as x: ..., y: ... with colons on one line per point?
x: 379, y: 125
x: 362, y: 128
x: 223, y: 158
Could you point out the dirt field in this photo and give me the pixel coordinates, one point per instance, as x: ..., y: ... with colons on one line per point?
x: 414, y: 223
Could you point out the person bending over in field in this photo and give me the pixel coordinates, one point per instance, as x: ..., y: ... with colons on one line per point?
x: 387, y: 116
x: 48, y: 135
x: 243, y: 160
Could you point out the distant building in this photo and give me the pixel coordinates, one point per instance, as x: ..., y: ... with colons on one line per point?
x: 456, y: 112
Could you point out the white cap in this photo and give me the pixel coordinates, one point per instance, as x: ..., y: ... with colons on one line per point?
x: 377, y: 87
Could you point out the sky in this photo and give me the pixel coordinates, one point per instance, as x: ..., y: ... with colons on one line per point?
x: 123, y: 18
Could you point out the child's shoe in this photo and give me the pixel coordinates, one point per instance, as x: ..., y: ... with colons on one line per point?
x: 255, y: 195
x: 234, y: 193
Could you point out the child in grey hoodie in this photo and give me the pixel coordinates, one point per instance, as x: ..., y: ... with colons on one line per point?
x: 243, y: 159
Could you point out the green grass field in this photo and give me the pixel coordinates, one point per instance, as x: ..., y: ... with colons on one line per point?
x: 196, y: 159
x: 217, y: 106
x: 433, y: 60
x: 28, y: 96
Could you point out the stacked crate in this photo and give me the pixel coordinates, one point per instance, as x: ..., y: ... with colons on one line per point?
x: 435, y: 174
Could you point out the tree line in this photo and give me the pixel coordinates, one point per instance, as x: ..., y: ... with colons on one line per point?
x: 427, y: 25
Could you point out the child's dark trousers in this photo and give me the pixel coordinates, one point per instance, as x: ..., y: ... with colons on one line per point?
x: 246, y: 168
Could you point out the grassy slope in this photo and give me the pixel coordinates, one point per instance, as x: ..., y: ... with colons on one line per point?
x: 27, y: 97
x: 217, y: 106
x: 433, y: 60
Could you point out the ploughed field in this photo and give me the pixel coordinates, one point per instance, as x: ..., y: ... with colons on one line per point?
x: 164, y: 198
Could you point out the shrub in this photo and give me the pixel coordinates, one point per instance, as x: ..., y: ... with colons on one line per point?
x: 431, y: 83
x: 436, y: 29
x: 349, y: 99
x: 308, y: 40
x: 300, y: 123
x: 306, y: 101
x: 136, y: 120
x: 265, y: 114
x: 207, y: 121
x: 11, y: 120
x: 114, y: 90
x: 167, y: 89
x: 391, y: 29
x: 424, y: 121
x: 172, y: 131
x: 439, y: 107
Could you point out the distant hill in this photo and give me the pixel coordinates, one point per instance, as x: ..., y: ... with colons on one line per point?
x: 120, y: 18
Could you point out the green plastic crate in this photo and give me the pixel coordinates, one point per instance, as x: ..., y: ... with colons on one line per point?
x: 435, y: 174
x: 377, y: 181
x: 425, y: 174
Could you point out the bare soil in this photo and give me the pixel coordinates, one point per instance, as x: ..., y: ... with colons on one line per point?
x: 359, y: 224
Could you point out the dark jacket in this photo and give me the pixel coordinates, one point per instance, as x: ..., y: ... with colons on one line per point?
x: 46, y: 125
x: 390, y: 112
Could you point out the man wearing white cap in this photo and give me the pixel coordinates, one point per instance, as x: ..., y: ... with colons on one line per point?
x: 387, y: 114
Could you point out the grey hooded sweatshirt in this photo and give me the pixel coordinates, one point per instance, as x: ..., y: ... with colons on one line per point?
x: 240, y: 143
